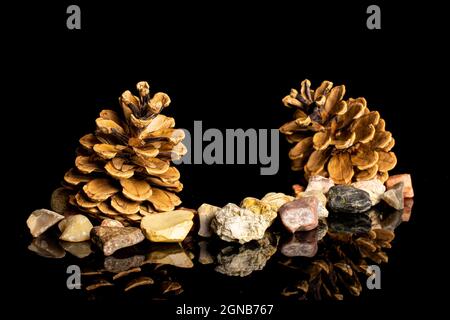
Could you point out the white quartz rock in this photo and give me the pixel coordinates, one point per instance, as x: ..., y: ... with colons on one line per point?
x: 375, y: 188
x: 232, y: 223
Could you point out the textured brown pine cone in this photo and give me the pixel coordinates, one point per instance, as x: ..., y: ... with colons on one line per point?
x: 123, y: 170
x: 337, y: 138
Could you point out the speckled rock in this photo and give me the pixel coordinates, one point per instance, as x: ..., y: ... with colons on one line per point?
x: 41, y: 220
x: 300, y: 214
x: 59, y: 201
x: 111, y: 239
x: 115, y: 265
x: 348, y: 199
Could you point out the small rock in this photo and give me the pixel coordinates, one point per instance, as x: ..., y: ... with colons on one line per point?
x: 78, y: 249
x: 348, y: 199
x: 47, y: 247
x: 260, y: 207
x: 302, y: 244
x: 247, y: 258
x: 394, y: 196
x: 59, y: 201
x: 111, y: 223
x: 206, y: 213
x: 111, y: 239
x: 321, y: 208
x: 300, y: 214
x: 116, y: 265
x: 204, y: 256
x: 408, y: 204
x: 408, y: 191
x: 374, y: 188
x: 171, y: 254
x: 171, y: 226
x: 319, y: 183
x: 40, y: 220
x: 233, y: 223
x: 75, y: 228
x: 276, y: 199
x: 375, y: 218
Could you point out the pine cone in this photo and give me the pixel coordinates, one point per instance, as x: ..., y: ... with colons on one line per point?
x: 123, y: 170
x: 336, y: 138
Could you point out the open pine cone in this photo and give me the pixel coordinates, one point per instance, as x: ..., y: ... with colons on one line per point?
x: 123, y: 170
x: 336, y: 138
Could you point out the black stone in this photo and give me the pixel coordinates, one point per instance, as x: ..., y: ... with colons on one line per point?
x: 348, y: 199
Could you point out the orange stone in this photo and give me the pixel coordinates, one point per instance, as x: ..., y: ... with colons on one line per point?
x: 408, y: 191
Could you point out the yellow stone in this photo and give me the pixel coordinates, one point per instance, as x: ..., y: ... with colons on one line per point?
x: 171, y: 226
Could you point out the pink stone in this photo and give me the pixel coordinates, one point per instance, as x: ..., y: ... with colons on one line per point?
x: 300, y: 214
x: 408, y: 191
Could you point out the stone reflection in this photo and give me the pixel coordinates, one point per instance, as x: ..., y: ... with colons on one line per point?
x: 243, y: 260
x: 329, y: 262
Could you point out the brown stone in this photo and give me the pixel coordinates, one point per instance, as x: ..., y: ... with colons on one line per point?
x: 111, y: 239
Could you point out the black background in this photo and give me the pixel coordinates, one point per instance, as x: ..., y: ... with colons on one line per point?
x: 229, y: 65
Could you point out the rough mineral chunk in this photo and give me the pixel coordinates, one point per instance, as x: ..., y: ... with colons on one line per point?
x: 206, y: 213
x: 260, y: 207
x: 232, y: 223
x: 171, y: 226
x: 247, y: 258
x: 343, y: 198
x: 394, y: 196
x: 111, y: 239
x: 374, y: 188
x: 319, y: 183
x: 300, y: 214
x: 408, y: 203
x: 40, y: 220
x: 276, y: 199
x: 75, y: 228
x: 408, y: 191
